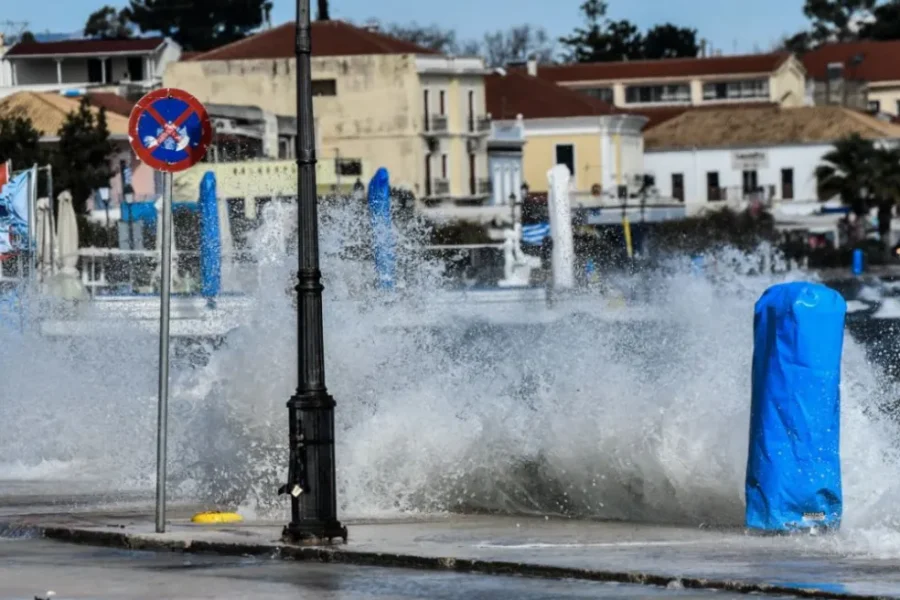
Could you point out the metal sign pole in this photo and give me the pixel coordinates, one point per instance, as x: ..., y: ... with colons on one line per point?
x: 169, y: 130
x: 165, y: 281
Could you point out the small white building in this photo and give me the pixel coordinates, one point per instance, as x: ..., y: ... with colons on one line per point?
x: 126, y: 66
x: 710, y: 158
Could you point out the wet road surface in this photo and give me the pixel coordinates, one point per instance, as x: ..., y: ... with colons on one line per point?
x: 29, y: 568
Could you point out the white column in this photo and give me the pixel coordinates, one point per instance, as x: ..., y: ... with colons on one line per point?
x: 148, y: 68
x: 103, y: 69
x: 59, y: 71
x: 563, y: 259
x: 15, y: 79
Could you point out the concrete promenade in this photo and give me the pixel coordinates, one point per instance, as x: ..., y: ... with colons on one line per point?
x: 674, y: 557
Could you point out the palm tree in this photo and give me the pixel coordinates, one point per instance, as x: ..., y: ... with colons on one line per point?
x: 864, y: 175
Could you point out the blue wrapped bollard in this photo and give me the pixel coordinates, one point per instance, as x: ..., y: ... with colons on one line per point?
x: 793, y: 468
x: 382, y: 228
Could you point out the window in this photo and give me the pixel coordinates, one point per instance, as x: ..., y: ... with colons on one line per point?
x: 286, y: 147
x: 348, y: 167
x: 835, y: 71
x: 678, y: 186
x: 736, y: 90
x: 472, y: 111
x: 751, y: 184
x: 98, y: 72
x: 427, y: 112
x: 135, y: 68
x: 787, y: 184
x: 324, y: 87
x: 874, y: 106
x: 472, y: 189
x: 601, y: 93
x: 443, y: 102
x: 427, y: 173
x: 713, y: 191
x: 565, y: 155
x: 897, y: 108
x: 658, y: 94
x: 443, y: 166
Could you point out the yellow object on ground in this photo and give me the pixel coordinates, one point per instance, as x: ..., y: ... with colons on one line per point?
x: 217, y: 517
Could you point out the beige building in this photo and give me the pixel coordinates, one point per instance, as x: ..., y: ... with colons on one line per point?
x: 601, y: 146
x: 863, y: 75
x: 378, y: 100
x: 765, y: 78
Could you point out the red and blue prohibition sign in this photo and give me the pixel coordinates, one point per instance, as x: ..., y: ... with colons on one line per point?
x: 169, y: 130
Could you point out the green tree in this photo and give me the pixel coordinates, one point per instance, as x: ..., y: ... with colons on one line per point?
x: 585, y: 42
x: 20, y: 141
x: 886, y: 24
x: 108, y: 23
x: 845, y: 172
x: 27, y: 38
x: 200, y: 24
x: 837, y: 20
x: 601, y: 39
x: 865, y: 176
x: 82, y: 161
x: 670, y: 41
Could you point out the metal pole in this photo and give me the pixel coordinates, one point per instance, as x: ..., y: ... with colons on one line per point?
x: 162, y: 426
x: 311, y: 472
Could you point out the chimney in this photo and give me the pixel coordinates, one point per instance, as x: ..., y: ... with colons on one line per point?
x: 532, y: 66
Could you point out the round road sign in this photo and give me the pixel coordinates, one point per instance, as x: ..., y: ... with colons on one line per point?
x: 169, y: 130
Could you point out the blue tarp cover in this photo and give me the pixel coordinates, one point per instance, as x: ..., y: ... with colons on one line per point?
x: 793, y: 468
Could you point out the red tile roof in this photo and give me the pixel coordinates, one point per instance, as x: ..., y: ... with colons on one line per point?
x: 879, y: 60
x: 329, y: 38
x: 664, y: 68
x: 517, y: 93
x: 112, y: 103
x: 82, y: 47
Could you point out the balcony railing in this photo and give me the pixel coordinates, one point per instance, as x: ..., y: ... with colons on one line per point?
x: 437, y: 124
x: 485, y: 186
x: 479, y: 124
x: 440, y: 187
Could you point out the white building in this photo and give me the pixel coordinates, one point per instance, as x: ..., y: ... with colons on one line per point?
x: 127, y: 66
x: 711, y: 158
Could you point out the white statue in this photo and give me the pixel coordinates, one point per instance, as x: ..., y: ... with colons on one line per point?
x: 517, y: 265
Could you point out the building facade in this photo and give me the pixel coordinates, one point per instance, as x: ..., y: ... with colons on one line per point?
x: 764, y: 78
x: 129, y: 67
x: 602, y: 147
x: 376, y: 99
x: 714, y: 159
x: 863, y: 75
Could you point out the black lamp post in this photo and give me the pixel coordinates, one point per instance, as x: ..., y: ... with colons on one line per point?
x: 311, y: 473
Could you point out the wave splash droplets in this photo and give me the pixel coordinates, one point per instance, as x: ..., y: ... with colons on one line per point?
x: 583, y: 417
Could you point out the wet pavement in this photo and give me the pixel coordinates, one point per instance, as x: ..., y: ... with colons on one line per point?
x: 452, y: 545
x: 31, y: 568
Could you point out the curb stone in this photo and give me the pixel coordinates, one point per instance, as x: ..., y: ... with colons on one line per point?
x: 280, y: 551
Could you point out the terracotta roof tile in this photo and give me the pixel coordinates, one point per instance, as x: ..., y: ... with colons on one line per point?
x: 664, y: 68
x: 113, y: 103
x: 657, y: 115
x: 878, y: 60
x: 86, y: 47
x: 764, y: 126
x: 517, y: 93
x: 329, y: 38
x: 48, y: 112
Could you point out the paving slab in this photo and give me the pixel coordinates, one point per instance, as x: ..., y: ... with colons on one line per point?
x: 538, y: 547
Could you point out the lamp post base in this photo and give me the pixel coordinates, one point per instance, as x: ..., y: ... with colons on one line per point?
x: 314, y: 534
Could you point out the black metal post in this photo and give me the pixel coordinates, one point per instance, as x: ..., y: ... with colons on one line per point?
x: 311, y: 474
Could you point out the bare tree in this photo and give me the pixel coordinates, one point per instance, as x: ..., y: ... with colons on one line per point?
x: 516, y: 44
